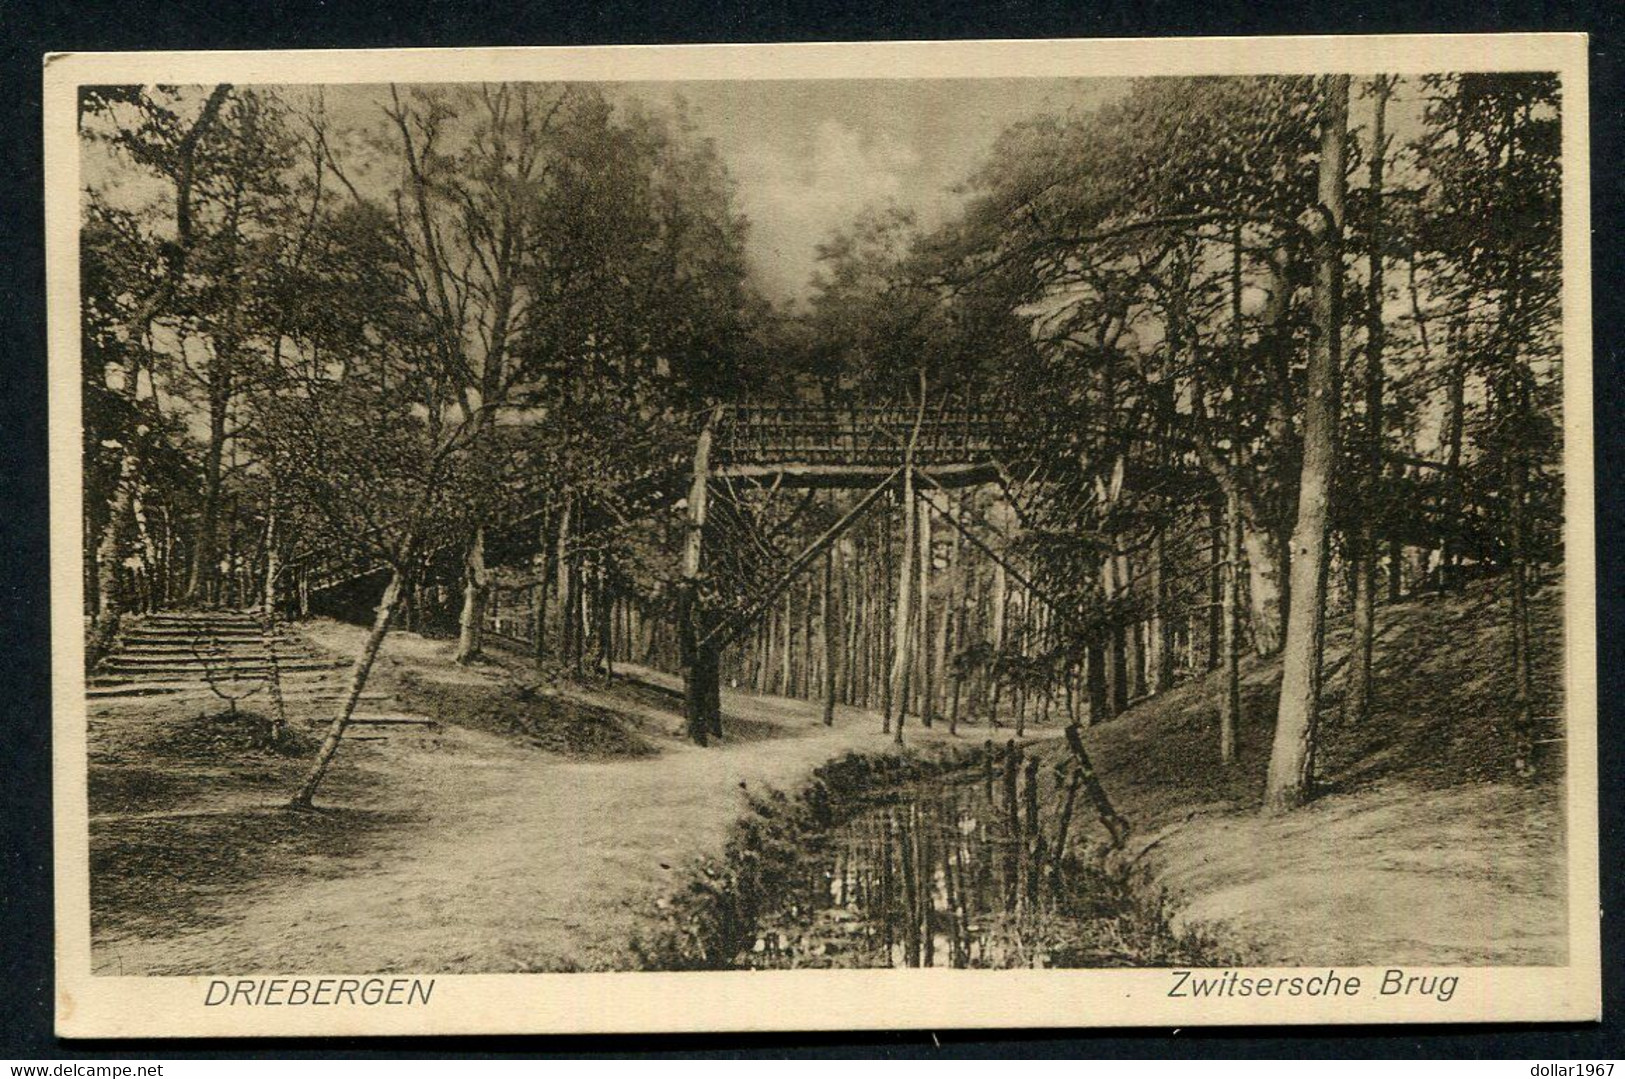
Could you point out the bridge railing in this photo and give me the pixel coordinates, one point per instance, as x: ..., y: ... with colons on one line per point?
x: 863, y: 435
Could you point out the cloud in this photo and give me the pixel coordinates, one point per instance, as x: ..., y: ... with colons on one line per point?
x: 796, y: 195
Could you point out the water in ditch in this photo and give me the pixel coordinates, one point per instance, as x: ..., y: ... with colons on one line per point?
x: 960, y: 871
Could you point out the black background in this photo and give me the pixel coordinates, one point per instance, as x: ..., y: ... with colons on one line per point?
x: 30, y: 29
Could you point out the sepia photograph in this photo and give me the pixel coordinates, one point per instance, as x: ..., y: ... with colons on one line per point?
x: 795, y: 522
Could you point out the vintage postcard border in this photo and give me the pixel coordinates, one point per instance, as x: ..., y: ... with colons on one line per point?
x: 144, y: 1007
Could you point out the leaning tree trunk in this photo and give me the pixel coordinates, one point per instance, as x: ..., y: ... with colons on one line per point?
x: 358, y: 682
x: 1292, y: 758
x: 471, y: 623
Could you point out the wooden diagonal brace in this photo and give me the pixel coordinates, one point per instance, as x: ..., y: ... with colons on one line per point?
x: 726, y: 631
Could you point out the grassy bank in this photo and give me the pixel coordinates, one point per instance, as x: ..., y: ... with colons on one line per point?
x: 1423, y: 846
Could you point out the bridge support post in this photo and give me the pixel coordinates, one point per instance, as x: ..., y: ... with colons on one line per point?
x: 903, y: 615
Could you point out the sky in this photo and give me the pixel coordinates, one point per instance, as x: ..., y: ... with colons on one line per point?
x: 810, y: 156
x: 807, y: 157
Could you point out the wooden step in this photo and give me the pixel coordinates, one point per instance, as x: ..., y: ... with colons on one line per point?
x: 257, y: 655
x: 134, y: 689
x: 220, y: 671
x: 200, y: 616
x: 388, y: 720
x: 105, y: 686
x: 171, y: 636
x: 255, y: 641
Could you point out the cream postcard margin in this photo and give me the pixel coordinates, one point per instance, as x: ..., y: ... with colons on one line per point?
x: 110, y: 1006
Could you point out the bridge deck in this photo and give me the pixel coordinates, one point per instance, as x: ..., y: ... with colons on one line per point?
x: 860, y: 446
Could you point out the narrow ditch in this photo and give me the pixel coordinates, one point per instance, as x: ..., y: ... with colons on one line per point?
x: 961, y: 857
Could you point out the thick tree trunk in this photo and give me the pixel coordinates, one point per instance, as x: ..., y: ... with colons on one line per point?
x: 1292, y: 758
x: 884, y: 584
x: 998, y: 602
x: 1453, y: 430
x: 575, y: 615
x: 940, y: 653
x: 701, y: 666
x: 1133, y: 636
x: 476, y: 585
x: 268, y: 598
x: 540, y: 588
x: 358, y: 682
x: 1117, y: 663
x: 1095, y: 682
x: 152, y: 559
x: 604, y: 613
x: 1161, y: 629
x: 561, y: 574
x: 1218, y: 531
x: 1518, y: 572
x: 787, y: 623
x: 810, y: 669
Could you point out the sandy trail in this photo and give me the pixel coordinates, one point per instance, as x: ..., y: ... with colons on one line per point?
x: 513, y: 860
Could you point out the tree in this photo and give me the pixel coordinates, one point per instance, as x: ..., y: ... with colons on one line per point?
x: 1358, y: 706
x: 1492, y: 224
x: 133, y: 277
x: 378, y: 483
x: 1111, y: 232
x: 369, y: 456
x: 1292, y: 756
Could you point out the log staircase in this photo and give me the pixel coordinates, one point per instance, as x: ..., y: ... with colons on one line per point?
x: 206, y: 658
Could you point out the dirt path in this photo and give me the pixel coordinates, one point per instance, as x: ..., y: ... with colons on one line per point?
x: 481, y: 849
x: 500, y: 857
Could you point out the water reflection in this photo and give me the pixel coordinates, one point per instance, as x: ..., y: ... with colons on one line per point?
x: 950, y: 874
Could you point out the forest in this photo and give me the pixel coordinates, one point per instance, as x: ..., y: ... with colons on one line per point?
x: 1184, y: 379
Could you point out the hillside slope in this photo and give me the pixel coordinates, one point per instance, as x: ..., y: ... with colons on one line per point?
x: 1424, y: 846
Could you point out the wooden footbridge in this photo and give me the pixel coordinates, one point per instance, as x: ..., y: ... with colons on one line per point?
x: 914, y: 454
x: 919, y: 454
